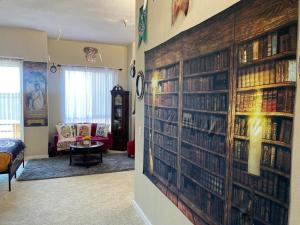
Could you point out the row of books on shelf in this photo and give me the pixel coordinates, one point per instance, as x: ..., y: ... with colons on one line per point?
x: 278, y: 42
x: 237, y: 218
x: 205, y: 179
x: 166, y: 142
x: 270, y: 212
x: 213, y: 143
x: 167, y: 100
x: 276, y: 100
x: 168, y: 86
x: 164, y: 73
x: 148, y: 110
x: 268, y: 183
x: 146, y: 133
x: 271, y: 156
x: 211, y: 123
x: 240, y: 150
x: 276, y: 157
x: 208, y: 63
x: 166, y: 128
x: 264, y: 209
x: 169, y: 158
x: 272, y: 128
x: 147, y: 123
x: 209, y: 204
x: 148, y: 75
x: 167, y: 173
x: 267, y: 73
x: 206, y: 83
x: 208, y: 102
x: 204, y: 159
x: 167, y: 114
x: 169, y: 72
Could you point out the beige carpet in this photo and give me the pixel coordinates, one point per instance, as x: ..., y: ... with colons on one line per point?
x: 103, y: 199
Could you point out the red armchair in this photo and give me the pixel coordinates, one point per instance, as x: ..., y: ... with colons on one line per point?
x: 107, y: 141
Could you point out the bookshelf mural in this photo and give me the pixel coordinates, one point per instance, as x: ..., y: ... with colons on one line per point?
x: 219, y: 109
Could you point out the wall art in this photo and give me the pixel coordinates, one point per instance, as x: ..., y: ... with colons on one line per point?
x: 177, y: 7
x: 35, y: 94
x: 219, y: 115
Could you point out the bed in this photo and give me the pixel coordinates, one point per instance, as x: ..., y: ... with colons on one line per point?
x: 11, y: 157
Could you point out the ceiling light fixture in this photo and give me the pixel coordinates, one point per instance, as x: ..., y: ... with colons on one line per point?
x: 90, y: 54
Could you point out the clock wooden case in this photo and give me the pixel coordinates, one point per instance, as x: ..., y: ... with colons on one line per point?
x: 119, y: 117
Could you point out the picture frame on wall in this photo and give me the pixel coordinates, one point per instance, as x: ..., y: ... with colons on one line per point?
x: 35, y: 94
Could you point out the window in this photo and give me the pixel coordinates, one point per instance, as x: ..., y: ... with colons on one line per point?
x: 10, y: 98
x: 87, y: 94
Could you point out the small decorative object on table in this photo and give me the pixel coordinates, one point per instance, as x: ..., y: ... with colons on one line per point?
x: 86, y: 140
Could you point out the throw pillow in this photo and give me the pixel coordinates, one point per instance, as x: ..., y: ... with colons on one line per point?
x: 84, y: 129
x: 102, y: 129
x: 66, y: 130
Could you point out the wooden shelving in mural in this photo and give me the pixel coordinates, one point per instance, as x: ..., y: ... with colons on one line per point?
x: 204, y: 127
x: 162, y: 104
x: 197, y: 130
x: 266, y: 76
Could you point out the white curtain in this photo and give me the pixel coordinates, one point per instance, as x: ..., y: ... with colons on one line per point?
x: 10, y: 98
x: 87, y: 94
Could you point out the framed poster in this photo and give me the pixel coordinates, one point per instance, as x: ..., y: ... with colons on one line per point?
x: 35, y: 94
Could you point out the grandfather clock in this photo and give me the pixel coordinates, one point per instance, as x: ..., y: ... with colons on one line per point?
x: 119, y: 117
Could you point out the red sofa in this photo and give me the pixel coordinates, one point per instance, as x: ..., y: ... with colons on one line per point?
x: 107, y: 141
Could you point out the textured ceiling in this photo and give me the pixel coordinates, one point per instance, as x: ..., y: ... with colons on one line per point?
x: 85, y: 20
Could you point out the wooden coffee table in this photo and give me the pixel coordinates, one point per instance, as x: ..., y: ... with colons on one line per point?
x: 86, y: 155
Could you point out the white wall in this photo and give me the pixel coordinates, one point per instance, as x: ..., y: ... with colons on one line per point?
x: 131, y: 87
x: 34, y: 45
x: 71, y: 53
x: 157, y: 207
x: 295, y: 174
x: 30, y: 45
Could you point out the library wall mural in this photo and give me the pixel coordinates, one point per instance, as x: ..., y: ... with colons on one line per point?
x: 219, y: 107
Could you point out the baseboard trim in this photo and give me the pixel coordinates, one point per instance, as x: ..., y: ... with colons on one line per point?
x: 36, y: 157
x: 141, y: 213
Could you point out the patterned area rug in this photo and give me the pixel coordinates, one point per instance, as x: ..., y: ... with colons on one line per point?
x: 39, y: 169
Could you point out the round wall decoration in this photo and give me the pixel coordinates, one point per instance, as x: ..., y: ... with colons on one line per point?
x: 140, y: 85
x: 53, y: 68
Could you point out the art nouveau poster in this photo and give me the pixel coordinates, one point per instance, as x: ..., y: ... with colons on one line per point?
x: 35, y: 94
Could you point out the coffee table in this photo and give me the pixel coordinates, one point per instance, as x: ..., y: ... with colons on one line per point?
x: 88, y: 155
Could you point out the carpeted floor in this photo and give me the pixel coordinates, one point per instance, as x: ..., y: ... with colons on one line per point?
x: 38, y: 169
x: 102, y: 199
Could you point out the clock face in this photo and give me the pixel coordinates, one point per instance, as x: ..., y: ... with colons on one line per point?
x: 53, y: 68
x: 140, y: 85
x: 118, y: 100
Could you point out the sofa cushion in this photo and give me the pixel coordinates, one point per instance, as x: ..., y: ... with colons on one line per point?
x: 64, y: 144
x: 84, y: 129
x: 102, y: 129
x: 66, y: 130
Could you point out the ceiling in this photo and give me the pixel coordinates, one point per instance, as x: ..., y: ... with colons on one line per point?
x: 84, y: 20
